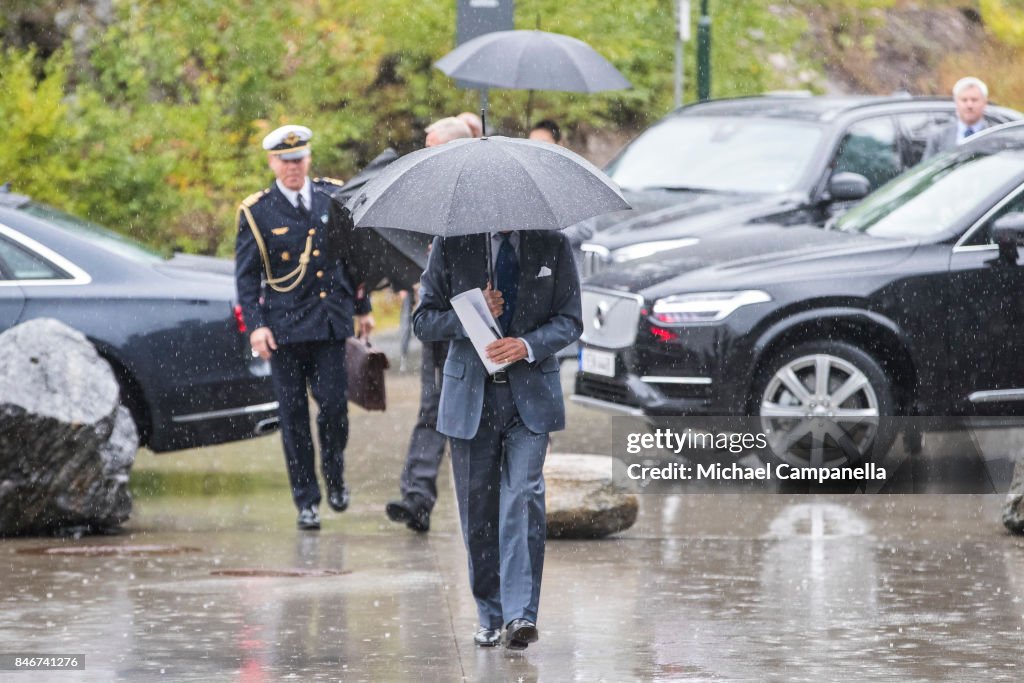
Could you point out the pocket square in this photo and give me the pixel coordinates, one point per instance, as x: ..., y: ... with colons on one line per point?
x: 544, y: 272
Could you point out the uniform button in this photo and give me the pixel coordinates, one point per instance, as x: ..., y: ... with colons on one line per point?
x: 285, y: 256
x: 316, y: 252
x: 312, y: 231
x: 323, y: 295
x: 319, y: 273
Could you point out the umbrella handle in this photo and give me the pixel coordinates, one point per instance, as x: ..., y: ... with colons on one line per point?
x: 490, y: 261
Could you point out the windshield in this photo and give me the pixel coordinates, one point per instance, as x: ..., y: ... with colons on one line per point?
x: 718, y: 153
x: 96, y: 234
x: 933, y: 197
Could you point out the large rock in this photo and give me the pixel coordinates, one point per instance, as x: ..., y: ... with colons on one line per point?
x: 66, y: 444
x: 1013, y: 508
x: 582, y: 501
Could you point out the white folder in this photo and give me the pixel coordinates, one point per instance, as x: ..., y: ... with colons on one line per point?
x: 480, y: 325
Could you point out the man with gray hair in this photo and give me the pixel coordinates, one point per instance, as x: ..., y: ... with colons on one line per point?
x: 445, y: 130
x: 970, y: 95
x: 426, y: 447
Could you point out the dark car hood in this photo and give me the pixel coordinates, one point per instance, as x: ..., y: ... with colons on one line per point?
x: 644, y: 203
x: 753, y: 256
x: 700, y: 214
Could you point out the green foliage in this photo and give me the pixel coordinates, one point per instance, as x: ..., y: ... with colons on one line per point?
x: 1005, y: 18
x: 156, y: 130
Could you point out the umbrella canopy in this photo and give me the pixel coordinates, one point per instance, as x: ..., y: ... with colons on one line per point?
x: 478, y: 185
x: 375, y: 258
x: 532, y: 60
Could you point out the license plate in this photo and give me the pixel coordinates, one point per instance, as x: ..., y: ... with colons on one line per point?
x: 597, y: 362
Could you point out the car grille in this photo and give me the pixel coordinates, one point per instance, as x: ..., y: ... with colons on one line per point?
x: 603, y: 389
x: 610, y: 318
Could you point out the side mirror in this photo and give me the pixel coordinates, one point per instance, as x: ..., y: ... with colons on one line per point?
x: 848, y: 186
x: 1008, y: 233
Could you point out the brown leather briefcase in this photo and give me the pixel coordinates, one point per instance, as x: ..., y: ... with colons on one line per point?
x: 365, y: 367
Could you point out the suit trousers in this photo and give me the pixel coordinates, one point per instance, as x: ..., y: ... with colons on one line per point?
x: 321, y: 365
x: 426, y: 447
x: 499, y: 481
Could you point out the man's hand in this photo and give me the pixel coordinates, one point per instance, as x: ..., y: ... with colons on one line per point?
x: 364, y: 325
x: 495, y: 302
x: 506, y: 350
x: 262, y: 342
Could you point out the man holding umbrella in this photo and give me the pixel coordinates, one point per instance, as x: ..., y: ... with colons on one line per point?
x: 521, y: 193
x: 499, y: 423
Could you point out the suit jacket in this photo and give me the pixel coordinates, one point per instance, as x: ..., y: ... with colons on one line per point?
x: 941, y: 140
x: 548, y: 316
x: 321, y: 304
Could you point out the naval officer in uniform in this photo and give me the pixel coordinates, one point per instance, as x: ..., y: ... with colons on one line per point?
x: 300, y: 308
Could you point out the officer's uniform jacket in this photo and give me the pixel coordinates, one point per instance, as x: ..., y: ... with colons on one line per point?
x: 284, y: 278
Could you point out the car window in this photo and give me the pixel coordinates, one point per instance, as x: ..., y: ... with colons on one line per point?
x: 933, y: 197
x: 917, y: 127
x: 96, y: 234
x: 870, y: 149
x: 719, y: 154
x: 21, y: 264
x: 983, y: 235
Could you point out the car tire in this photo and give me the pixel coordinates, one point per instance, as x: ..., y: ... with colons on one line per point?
x: 824, y: 404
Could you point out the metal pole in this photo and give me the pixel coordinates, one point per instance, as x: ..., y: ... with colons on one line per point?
x: 682, y: 10
x: 483, y: 110
x: 679, y: 60
x: 704, y: 53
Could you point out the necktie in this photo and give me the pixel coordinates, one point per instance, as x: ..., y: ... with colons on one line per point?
x: 968, y: 132
x: 506, y: 273
x: 301, y: 205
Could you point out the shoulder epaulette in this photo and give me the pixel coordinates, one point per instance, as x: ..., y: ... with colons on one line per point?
x: 254, y: 197
x: 332, y: 181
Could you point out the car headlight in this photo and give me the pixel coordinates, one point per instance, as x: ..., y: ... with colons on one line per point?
x: 704, y: 307
x: 635, y: 251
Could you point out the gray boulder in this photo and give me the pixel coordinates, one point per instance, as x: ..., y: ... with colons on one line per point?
x: 582, y: 501
x: 66, y: 443
x: 1013, y: 507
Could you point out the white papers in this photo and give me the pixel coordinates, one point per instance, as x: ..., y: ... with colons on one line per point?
x: 476, y: 319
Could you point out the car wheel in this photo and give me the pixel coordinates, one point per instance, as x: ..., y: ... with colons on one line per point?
x: 824, y: 404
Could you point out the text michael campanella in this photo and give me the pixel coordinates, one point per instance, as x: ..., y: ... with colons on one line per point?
x: 734, y: 443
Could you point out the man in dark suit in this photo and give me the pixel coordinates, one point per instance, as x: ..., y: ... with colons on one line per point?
x: 971, y: 97
x: 300, y: 307
x: 499, y: 424
x: 426, y: 447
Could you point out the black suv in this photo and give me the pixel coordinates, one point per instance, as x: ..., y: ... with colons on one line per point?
x: 909, y: 304
x: 782, y: 159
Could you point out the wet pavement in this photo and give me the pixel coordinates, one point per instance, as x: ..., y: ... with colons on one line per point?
x: 703, y: 587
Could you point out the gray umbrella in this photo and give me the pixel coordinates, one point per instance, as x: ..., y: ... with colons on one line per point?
x: 478, y: 185
x: 532, y: 60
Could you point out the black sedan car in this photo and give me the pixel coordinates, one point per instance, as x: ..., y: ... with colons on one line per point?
x: 169, y: 328
x: 910, y: 304
x: 781, y: 159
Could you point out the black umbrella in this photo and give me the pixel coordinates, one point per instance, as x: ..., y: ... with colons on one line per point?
x: 532, y: 60
x: 379, y: 257
x: 478, y: 185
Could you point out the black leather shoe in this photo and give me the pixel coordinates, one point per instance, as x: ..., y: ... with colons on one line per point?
x: 338, y: 499
x: 410, y: 511
x: 309, y: 520
x: 520, y: 633
x: 487, y: 637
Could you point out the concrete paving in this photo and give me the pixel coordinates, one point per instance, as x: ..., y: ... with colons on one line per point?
x: 212, y: 582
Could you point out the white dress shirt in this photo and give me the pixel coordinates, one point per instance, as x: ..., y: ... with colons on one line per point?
x: 293, y: 196
x: 962, y: 127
